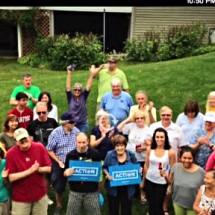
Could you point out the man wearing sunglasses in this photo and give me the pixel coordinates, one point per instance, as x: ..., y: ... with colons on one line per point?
x: 41, y: 128
x: 27, y: 163
x: 30, y: 90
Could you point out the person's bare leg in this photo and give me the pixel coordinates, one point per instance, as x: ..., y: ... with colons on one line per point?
x: 166, y: 202
x: 59, y: 199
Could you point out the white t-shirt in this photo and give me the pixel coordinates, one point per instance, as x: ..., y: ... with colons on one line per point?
x: 136, y: 136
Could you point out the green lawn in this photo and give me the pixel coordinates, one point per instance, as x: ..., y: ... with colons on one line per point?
x: 170, y: 83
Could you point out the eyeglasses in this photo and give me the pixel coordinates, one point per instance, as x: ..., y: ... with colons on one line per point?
x: 166, y: 115
x: 78, y: 90
x: 140, y: 98
x: 139, y: 118
x: 41, y: 112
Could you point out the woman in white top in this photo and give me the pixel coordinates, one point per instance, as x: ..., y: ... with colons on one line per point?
x: 205, y: 199
x: 52, y: 109
x: 159, y: 158
x: 148, y: 109
x: 139, y: 139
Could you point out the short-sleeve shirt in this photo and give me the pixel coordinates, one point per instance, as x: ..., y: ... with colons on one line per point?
x: 119, y: 106
x: 186, y: 185
x: 105, y: 78
x: 175, y: 135
x: 7, y: 140
x: 34, y: 91
x: 204, y: 151
x: 78, y: 108
x: 188, y: 128
x: 33, y: 187
x: 89, y: 155
x: 24, y: 118
x: 136, y: 136
x: 40, y: 131
x: 62, y: 143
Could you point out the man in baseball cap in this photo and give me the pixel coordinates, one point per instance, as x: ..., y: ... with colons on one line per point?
x: 61, y: 141
x: 27, y: 163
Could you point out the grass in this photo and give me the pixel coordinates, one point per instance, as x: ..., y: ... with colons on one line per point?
x: 170, y: 83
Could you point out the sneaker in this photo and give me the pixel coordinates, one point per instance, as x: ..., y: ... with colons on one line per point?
x: 50, y: 202
x: 57, y: 210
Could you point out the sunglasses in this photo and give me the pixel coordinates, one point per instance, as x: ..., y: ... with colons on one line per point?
x: 140, y: 98
x: 41, y: 112
x: 166, y: 115
x: 139, y: 118
x: 78, y: 90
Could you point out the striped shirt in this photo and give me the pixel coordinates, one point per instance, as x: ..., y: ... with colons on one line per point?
x: 62, y: 143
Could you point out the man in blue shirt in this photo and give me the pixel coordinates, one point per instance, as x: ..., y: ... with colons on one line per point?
x: 117, y: 102
x: 61, y: 141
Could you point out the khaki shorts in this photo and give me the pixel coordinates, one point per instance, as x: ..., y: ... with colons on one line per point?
x: 5, y: 208
x: 39, y: 207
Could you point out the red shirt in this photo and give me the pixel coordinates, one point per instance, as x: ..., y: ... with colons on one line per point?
x: 24, y: 118
x: 33, y: 187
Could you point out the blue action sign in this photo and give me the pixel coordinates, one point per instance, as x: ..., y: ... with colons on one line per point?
x: 85, y: 171
x: 125, y: 174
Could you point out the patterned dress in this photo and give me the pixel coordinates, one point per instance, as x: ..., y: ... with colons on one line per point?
x: 206, y: 203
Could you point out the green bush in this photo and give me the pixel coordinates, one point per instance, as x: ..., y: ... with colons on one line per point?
x: 180, y: 41
x: 176, y: 42
x: 138, y: 50
x: 203, y: 50
x: 32, y: 60
x: 60, y: 51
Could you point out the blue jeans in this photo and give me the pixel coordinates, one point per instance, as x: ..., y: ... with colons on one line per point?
x: 82, y: 126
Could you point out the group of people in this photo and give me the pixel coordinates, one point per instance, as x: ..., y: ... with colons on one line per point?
x: 177, y: 160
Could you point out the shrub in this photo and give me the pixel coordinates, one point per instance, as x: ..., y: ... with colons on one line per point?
x: 203, y: 50
x: 176, y: 42
x: 138, y: 50
x: 60, y: 51
x: 180, y: 41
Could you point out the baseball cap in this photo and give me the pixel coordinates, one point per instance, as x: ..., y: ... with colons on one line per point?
x: 20, y: 133
x: 67, y: 117
x: 210, y: 117
x: 112, y: 59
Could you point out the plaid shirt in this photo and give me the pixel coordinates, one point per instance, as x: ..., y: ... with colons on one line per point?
x: 62, y: 143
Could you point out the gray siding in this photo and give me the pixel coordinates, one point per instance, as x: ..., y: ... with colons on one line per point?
x: 161, y: 18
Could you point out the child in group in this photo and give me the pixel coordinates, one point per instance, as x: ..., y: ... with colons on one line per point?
x: 4, y: 183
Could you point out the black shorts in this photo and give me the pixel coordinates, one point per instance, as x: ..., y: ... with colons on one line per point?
x: 58, y: 180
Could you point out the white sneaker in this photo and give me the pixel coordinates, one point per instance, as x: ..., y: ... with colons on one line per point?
x: 50, y: 202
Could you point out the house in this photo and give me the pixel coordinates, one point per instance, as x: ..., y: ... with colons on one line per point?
x: 161, y: 18
x: 114, y: 24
